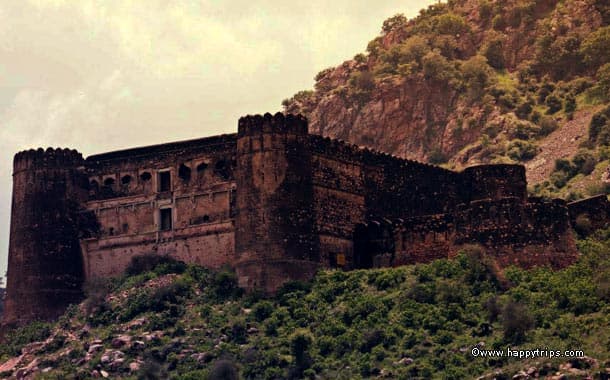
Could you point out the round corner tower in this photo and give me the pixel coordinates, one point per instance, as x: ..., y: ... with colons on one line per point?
x: 274, y: 238
x: 45, y: 270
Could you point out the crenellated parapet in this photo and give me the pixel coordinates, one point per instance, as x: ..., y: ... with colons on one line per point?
x: 267, y: 123
x: 493, y: 182
x: 49, y: 158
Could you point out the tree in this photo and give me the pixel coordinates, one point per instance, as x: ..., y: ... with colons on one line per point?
x: 595, y: 47
x: 603, y: 81
x: 436, y: 67
x: 477, y: 75
x: 516, y: 321
x: 393, y: 23
x: 493, y: 50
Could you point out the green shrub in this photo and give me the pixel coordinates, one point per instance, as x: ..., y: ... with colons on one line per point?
x: 145, y: 263
x: 559, y: 179
x: 583, y: 225
x: 603, y: 81
x: 584, y: 162
x: 262, y: 310
x: 477, y: 75
x: 570, y: 105
x: 19, y: 337
x: 395, y: 22
x: 547, y: 125
x: 520, y: 150
x: 493, y: 50
x: 450, y: 23
x: 437, y: 68
x: 595, y: 47
x: 516, y: 322
x: 524, y: 109
x: 224, y: 284
x: 554, y: 104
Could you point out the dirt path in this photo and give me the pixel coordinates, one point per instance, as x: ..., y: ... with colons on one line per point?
x: 562, y: 143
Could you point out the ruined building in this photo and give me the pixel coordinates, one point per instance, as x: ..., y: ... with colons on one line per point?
x: 272, y: 201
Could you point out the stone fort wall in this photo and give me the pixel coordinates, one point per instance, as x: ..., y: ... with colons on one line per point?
x: 271, y: 201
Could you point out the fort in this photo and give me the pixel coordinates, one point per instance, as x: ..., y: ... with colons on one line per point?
x: 272, y: 201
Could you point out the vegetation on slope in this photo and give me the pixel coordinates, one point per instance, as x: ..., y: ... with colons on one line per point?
x: 420, y: 321
x: 476, y: 81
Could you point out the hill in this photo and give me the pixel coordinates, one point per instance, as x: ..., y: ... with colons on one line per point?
x: 421, y: 321
x: 479, y: 81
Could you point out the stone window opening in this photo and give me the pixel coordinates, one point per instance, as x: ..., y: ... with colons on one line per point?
x: 201, y: 167
x: 206, y: 218
x: 109, y: 182
x: 222, y: 169
x: 165, y: 219
x: 165, y: 181
x: 184, y: 173
x: 126, y: 179
x: 94, y: 186
x: 146, y: 176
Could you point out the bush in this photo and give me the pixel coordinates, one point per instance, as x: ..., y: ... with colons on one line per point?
x: 19, y: 337
x: 161, y: 264
x: 223, y: 369
x: 583, y: 225
x: 570, y: 105
x: 477, y: 75
x: 595, y: 47
x: 437, y: 157
x: 554, y: 104
x: 437, y: 68
x: 584, y: 162
x: 603, y: 81
x: 450, y: 23
x: 96, y: 290
x: 520, y: 150
x: 395, y: 22
x: 262, y: 310
x: 224, y: 284
x: 524, y: 109
x: 547, y: 125
x: 516, y: 322
x: 493, y: 50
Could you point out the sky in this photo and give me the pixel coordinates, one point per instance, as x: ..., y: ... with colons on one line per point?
x: 101, y: 75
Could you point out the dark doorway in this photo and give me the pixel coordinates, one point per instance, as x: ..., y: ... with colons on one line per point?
x: 166, y: 219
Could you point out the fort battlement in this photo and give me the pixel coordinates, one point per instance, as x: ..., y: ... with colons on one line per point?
x: 272, y: 201
x: 49, y: 158
x: 267, y: 123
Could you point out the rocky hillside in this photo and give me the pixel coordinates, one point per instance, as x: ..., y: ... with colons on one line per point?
x: 476, y: 81
x: 169, y: 320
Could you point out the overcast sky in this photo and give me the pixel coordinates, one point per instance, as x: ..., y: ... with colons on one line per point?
x: 103, y: 75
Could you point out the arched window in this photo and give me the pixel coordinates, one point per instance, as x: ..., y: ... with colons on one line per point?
x: 184, y: 172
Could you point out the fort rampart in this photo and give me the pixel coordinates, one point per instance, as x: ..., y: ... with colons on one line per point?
x: 272, y: 201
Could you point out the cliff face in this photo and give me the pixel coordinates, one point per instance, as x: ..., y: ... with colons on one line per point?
x: 428, y: 88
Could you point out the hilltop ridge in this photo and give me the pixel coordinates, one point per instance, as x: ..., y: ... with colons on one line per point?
x: 470, y: 82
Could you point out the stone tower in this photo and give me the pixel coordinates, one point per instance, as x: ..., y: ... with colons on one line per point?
x: 45, y: 271
x: 274, y: 236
